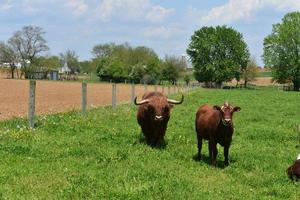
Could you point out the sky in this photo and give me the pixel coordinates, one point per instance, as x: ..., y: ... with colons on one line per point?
x: 166, y: 26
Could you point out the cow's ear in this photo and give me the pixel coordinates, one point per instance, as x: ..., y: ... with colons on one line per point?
x: 216, y: 107
x: 237, y: 109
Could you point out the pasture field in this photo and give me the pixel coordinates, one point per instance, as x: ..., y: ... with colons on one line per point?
x: 101, y: 155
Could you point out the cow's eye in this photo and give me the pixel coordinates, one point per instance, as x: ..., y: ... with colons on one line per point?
x: 150, y: 108
x: 166, y: 109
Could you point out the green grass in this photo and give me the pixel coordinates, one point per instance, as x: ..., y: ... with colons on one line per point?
x: 69, y: 156
x: 265, y: 74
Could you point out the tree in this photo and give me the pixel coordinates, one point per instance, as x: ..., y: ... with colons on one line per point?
x: 138, y: 64
x: 282, y: 50
x: 86, y: 66
x: 8, y: 55
x: 173, y: 68
x: 70, y: 57
x: 250, y: 72
x: 28, y: 43
x: 103, y: 50
x: 217, y: 54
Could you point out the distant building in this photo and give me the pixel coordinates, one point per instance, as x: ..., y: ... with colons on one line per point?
x: 65, y: 69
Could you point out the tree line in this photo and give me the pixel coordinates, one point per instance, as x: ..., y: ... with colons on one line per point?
x: 218, y: 54
x: 111, y: 62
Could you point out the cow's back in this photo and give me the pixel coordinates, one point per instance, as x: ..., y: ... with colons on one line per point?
x: 207, y: 120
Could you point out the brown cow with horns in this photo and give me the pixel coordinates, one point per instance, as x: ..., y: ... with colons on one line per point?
x: 214, y: 123
x: 153, y: 115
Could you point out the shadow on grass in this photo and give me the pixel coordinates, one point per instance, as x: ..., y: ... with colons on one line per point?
x: 206, y: 159
x: 161, y: 145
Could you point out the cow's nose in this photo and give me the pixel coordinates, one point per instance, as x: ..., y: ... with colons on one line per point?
x: 158, y: 117
x: 227, y: 120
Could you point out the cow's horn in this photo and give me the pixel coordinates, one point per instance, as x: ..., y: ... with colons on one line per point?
x: 141, y: 102
x: 176, y: 102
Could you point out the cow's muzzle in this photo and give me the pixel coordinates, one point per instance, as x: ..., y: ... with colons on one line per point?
x: 158, y: 118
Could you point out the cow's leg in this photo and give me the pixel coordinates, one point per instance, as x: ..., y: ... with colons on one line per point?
x: 213, y: 152
x: 199, y: 147
x: 226, y: 150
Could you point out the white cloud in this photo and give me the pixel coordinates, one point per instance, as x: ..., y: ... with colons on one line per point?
x: 79, y: 7
x: 286, y: 5
x: 6, y: 5
x: 164, y: 32
x: 132, y: 10
x: 231, y: 11
x: 235, y: 10
x: 158, y: 13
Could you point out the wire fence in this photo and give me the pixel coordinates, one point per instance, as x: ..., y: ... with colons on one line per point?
x: 94, y: 95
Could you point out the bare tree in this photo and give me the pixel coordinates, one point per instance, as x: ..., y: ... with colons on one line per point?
x: 28, y: 43
x: 8, y: 55
x: 70, y: 57
x: 250, y: 72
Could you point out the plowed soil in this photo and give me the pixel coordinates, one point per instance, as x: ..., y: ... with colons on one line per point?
x: 53, y: 96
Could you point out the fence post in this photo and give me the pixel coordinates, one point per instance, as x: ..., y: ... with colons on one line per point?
x: 84, y: 97
x: 155, y: 88
x: 114, y: 96
x: 31, y: 106
x: 163, y: 89
x: 132, y: 93
x: 299, y: 134
x: 169, y: 91
x: 146, y: 87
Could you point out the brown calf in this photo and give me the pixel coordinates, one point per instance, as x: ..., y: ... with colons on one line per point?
x: 214, y: 123
x: 153, y: 115
x: 294, y: 170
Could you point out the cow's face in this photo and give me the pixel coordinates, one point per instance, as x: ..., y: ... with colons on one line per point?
x: 227, y: 112
x: 158, y: 107
x: 158, y: 110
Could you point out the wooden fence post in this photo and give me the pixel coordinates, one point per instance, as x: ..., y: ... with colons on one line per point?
x: 84, y: 97
x: 31, y: 105
x: 146, y: 87
x: 132, y: 93
x: 114, y: 96
x: 299, y: 134
x: 169, y: 91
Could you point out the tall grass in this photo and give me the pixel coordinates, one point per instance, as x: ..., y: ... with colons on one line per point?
x: 100, y: 156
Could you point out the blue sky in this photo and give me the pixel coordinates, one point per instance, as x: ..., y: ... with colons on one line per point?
x: 166, y: 25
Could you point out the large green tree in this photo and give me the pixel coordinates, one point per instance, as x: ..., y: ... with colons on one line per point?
x: 218, y: 54
x: 282, y: 50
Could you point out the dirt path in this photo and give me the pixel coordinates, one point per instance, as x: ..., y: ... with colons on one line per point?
x: 53, y: 97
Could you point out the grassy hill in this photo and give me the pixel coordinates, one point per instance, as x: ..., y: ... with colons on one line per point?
x: 100, y: 156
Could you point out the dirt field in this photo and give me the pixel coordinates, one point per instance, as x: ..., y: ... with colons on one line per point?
x: 53, y: 97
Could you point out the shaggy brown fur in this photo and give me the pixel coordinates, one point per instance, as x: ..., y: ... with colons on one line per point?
x: 153, y: 116
x: 294, y: 171
x: 214, y: 123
